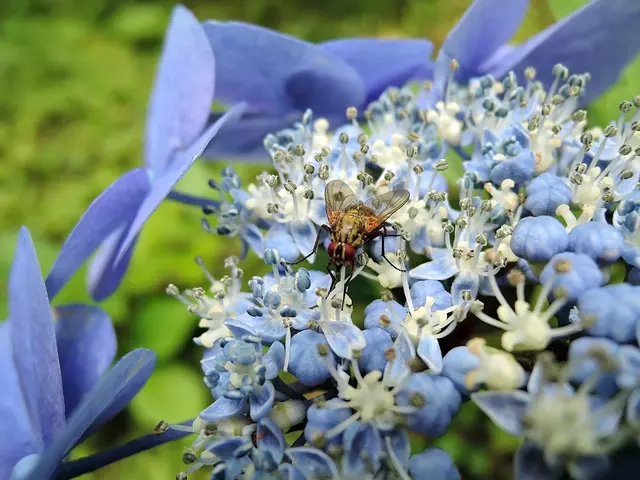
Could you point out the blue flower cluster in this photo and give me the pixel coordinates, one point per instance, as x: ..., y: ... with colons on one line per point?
x: 509, y: 198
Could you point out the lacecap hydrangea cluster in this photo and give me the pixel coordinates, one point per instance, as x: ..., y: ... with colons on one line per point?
x: 505, y: 271
x: 542, y: 222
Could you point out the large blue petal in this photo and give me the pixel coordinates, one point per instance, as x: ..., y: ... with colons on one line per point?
x: 34, y: 343
x: 384, y: 62
x: 280, y: 73
x: 110, y: 211
x: 600, y: 38
x: 105, y: 273
x: 313, y: 463
x: 183, y: 91
x: 506, y: 409
x: 180, y: 164
x: 484, y: 27
x: 86, y: 347
x: 244, y: 139
x: 112, y: 393
x: 17, y: 438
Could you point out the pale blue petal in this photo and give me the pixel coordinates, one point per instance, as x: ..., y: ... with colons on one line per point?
x: 261, y: 401
x: 404, y: 352
x: 343, y: 338
x: 273, y: 360
x: 439, y: 269
x: 314, y: 464
x: 430, y: 353
x: 270, y: 439
x: 304, y: 235
x: 506, y: 409
x: 223, y: 408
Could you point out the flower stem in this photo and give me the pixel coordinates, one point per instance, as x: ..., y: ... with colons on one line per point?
x: 194, y: 200
x: 76, y: 468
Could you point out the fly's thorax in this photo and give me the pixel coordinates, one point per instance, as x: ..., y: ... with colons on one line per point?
x: 350, y: 229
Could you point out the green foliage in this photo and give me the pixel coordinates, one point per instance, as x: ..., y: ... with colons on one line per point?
x: 75, y: 77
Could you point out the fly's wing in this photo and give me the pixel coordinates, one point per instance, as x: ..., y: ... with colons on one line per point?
x: 379, y: 208
x: 338, y: 198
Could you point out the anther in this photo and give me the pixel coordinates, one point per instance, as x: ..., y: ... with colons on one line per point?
x: 625, y: 149
x: 161, y: 427
x: 562, y: 266
x: 529, y: 73
x: 560, y: 71
x: 579, y: 116
x: 344, y: 138
x: 610, y: 131
x: 442, y: 165
x: 352, y: 113
x: 189, y: 456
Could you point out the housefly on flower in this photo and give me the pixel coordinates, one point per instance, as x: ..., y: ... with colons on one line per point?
x: 353, y: 223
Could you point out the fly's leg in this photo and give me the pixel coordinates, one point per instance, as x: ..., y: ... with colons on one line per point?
x: 315, y: 245
x: 382, y: 235
x: 333, y: 278
x: 346, y: 283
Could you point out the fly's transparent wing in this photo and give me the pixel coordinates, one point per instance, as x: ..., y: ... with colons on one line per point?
x: 338, y: 197
x: 379, y: 208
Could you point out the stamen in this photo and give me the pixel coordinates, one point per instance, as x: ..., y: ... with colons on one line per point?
x: 395, y: 461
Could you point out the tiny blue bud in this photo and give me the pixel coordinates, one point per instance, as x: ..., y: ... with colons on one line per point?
x: 254, y: 311
x: 271, y: 299
x: 271, y: 256
x: 288, y: 312
x: 303, y: 280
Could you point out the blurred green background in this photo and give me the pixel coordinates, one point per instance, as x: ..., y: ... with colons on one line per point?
x: 74, y: 80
